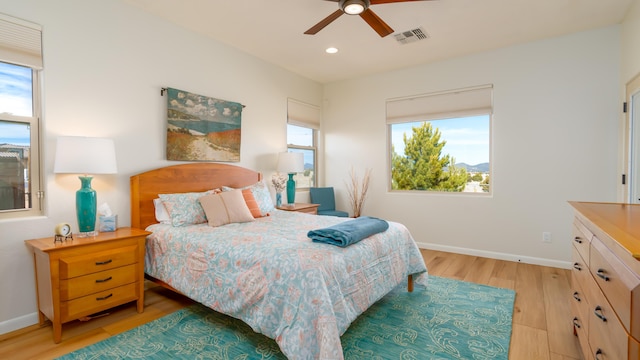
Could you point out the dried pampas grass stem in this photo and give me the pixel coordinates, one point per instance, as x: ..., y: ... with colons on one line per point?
x: 358, y: 190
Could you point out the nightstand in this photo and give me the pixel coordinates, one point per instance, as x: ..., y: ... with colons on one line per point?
x: 83, y: 276
x: 300, y: 207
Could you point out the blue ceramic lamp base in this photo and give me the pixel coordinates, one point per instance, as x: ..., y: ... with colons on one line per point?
x: 86, y: 206
x: 291, y: 189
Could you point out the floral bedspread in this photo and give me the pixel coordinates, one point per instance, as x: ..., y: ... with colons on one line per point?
x: 269, y: 274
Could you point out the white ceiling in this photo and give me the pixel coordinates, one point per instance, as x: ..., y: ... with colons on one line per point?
x: 273, y: 29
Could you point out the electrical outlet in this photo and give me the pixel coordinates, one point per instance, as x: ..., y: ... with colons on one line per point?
x: 546, y: 237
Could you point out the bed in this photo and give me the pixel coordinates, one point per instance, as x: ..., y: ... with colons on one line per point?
x: 267, y: 272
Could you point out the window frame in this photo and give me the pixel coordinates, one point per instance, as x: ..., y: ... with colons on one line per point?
x: 21, y: 45
x: 308, y: 116
x: 313, y: 148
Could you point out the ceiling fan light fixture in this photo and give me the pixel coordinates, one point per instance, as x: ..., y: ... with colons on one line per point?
x: 354, y: 7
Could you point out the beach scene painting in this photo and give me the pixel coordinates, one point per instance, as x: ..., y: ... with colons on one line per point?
x: 201, y: 128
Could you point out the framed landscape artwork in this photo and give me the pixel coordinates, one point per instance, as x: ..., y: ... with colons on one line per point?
x: 201, y: 128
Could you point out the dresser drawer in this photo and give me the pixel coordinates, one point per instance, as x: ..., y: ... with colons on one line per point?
x: 580, y: 314
x: 96, y: 282
x: 579, y: 300
x: 94, y: 262
x: 91, y: 304
x: 580, y: 271
x: 606, y: 333
x: 619, y: 285
x: 582, y: 239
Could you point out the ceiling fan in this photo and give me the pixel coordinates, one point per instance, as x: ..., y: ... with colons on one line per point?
x: 358, y: 7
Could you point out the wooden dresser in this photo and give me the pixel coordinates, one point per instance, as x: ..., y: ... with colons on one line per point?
x: 605, y: 280
x: 83, y: 276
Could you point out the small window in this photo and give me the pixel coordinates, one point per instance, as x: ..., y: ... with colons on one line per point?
x: 301, y: 139
x: 303, y: 121
x: 441, y: 142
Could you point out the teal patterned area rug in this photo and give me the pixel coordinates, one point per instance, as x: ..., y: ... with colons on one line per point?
x: 448, y: 319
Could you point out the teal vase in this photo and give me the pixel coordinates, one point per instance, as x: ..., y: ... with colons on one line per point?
x: 291, y: 189
x: 86, y: 205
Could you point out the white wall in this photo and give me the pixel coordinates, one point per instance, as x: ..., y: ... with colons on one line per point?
x: 556, y: 106
x: 105, y: 63
x: 631, y: 43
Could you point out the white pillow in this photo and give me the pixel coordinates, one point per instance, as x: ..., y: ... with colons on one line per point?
x: 226, y: 208
x: 162, y: 215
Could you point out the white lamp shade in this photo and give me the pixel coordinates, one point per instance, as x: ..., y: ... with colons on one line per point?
x: 290, y: 162
x: 85, y: 155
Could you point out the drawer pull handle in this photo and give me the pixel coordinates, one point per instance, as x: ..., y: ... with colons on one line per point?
x: 104, y: 262
x: 576, y: 296
x: 103, y: 280
x: 576, y: 323
x: 601, y: 275
x: 578, y: 239
x: 598, y: 353
x: 577, y: 266
x: 104, y: 297
x: 598, y: 312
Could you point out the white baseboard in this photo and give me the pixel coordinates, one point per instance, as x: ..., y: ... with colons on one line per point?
x: 18, y: 323
x: 496, y: 255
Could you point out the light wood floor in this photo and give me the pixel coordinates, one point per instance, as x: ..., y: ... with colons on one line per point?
x: 541, y: 321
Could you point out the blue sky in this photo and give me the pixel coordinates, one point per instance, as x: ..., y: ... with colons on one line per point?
x: 14, y: 133
x: 15, y: 90
x: 467, y: 138
x: 15, y: 99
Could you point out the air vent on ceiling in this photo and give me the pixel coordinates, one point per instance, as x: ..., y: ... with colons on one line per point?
x: 410, y: 36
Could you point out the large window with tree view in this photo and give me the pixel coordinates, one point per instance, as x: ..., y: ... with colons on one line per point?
x: 441, y: 142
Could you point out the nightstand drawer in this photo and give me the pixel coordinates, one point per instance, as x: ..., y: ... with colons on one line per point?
x: 100, y: 281
x: 94, y: 262
x: 97, y: 302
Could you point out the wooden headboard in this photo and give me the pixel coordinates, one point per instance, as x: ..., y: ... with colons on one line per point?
x: 182, y: 178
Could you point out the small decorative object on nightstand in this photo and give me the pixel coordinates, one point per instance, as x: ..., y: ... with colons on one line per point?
x: 279, y: 182
x: 62, y: 232
x: 301, y: 207
x: 78, y: 278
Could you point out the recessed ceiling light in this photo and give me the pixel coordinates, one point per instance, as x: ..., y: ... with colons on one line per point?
x: 331, y: 50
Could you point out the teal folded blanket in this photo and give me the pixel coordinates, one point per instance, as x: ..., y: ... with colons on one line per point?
x: 349, y: 232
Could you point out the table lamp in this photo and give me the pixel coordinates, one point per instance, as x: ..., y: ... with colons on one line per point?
x: 86, y: 156
x: 291, y: 163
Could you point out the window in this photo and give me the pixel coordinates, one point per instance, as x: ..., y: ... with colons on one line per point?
x: 441, y: 142
x: 20, y: 63
x: 303, y: 121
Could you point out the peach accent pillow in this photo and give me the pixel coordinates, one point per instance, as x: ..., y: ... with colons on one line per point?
x: 252, y: 204
x: 225, y: 208
x: 261, y: 193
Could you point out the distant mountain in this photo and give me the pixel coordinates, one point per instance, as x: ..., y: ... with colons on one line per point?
x: 481, y: 168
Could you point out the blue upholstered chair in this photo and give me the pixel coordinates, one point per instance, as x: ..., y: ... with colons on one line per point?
x: 327, y: 200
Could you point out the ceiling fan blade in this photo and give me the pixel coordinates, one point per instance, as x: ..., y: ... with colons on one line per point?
x: 324, y: 22
x: 376, y: 23
x: 376, y: 2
